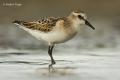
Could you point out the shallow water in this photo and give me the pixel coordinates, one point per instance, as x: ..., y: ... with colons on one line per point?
x: 85, y: 65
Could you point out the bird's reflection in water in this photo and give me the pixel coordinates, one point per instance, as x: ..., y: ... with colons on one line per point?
x: 63, y: 68
x: 57, y: 71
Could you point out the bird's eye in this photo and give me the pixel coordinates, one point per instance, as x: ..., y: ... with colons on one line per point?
x: 80, y: 17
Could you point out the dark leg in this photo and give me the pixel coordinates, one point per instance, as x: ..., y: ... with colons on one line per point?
x: 50, y: 48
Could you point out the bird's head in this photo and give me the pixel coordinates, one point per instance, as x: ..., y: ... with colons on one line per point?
x: 81, y: 18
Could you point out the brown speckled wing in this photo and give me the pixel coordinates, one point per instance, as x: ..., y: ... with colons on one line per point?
x: 45, y: 25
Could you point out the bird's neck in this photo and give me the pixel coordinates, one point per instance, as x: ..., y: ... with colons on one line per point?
x: 75, y: 22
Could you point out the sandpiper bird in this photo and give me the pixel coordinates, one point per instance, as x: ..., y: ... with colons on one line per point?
x: 55, y: 30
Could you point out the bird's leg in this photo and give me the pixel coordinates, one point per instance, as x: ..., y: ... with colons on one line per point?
x: 50, y: 48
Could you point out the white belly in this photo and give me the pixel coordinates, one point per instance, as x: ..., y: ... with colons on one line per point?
x: 51, y: 37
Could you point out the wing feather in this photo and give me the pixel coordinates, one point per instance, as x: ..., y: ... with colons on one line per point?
x: 44, y: 25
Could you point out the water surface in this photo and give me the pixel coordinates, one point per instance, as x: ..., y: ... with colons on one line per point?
x: 86, y: 65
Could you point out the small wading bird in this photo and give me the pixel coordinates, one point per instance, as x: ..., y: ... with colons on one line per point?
x: 55, y: 30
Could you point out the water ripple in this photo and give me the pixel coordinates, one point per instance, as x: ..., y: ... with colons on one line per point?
x: 24, y: 62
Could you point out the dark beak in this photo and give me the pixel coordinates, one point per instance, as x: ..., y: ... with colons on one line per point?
x: 87, y: 23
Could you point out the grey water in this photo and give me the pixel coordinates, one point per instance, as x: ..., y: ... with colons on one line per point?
x: 84, y: 65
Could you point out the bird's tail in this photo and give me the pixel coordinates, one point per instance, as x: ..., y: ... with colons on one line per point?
x: 18, y: 22
x: 23, y: 23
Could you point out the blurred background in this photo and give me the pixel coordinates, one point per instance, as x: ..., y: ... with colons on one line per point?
x: 104, y: 15
x: 91, y: 55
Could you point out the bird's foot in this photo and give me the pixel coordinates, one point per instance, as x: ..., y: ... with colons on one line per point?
x: 51, y: 66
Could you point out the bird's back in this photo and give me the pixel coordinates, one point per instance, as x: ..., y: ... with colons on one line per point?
x: 44, y: 25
